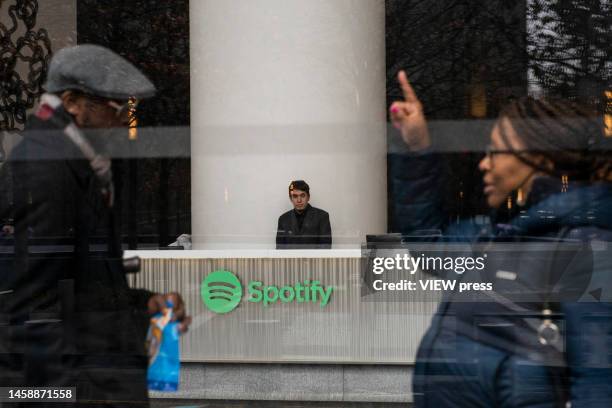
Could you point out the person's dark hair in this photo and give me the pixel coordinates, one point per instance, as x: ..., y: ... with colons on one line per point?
x: 566, y: 133
x: 299, y: 185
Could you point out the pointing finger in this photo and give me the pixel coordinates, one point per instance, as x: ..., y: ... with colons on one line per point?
x: 409, y: 94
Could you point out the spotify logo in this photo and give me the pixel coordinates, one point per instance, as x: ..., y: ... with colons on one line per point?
x: 221, y: 291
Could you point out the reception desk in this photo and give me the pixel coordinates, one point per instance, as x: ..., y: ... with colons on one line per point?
x: 352, y: 328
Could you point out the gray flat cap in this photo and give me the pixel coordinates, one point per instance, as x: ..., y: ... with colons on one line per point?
x: 98, y: 71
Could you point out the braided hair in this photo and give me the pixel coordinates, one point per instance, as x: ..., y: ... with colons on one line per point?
x: 567, y: 134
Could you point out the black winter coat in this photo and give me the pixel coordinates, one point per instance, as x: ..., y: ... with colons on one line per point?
x: 69, y: 317
x: 580, y: 280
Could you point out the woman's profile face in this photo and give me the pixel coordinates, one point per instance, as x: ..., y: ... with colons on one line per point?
x: 503, y: 171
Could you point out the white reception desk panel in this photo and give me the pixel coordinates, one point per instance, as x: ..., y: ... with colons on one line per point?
x: 351, y: 328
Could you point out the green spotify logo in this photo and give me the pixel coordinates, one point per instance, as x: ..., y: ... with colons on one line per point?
x: 221, y: 291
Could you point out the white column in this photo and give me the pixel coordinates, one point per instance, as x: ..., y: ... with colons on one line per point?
x: 282, y: 90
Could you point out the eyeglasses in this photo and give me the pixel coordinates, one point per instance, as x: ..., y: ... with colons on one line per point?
x: 121, y: 108
x: 491, y: 152
x: 128, y: 107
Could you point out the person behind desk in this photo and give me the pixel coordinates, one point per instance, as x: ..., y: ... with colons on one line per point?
x: 304, y: 227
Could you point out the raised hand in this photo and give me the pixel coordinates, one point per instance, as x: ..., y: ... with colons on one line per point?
x: 407, y: 116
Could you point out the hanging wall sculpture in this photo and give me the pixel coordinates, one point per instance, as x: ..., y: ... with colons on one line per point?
x: 24, y: 58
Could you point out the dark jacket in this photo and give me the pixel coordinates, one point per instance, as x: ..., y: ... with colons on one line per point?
x: 70, y: 317
x: 580, y: 285
x: 315, y: 232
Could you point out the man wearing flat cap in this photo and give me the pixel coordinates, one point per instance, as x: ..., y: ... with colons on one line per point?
x: 69, y: 317
x: 304, y: 227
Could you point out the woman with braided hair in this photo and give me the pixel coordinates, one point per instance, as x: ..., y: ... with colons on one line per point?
x: 543, y: 336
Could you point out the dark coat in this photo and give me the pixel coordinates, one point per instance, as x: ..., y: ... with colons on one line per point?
x: 70, y: 317
x: 581, y: 215
x: 314, y: 234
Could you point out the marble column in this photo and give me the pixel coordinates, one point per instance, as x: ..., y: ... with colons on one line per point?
x: 283, y: 90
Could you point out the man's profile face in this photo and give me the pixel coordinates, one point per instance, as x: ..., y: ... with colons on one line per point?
x: 94, y: 113
x: 299, y: 199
